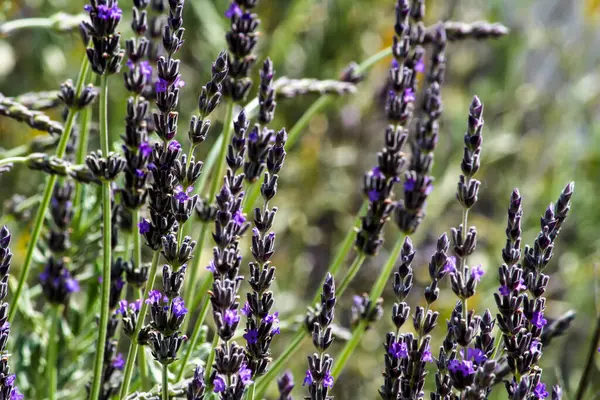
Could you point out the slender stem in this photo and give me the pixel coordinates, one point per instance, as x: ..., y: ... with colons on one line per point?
x: 137, y: 239
x: 51, y: 180
x: 589, y: 365
x: 107, y: 240
x: 211, y: 357
x: 86, y: 117
x: 302, y: 123
x: 196, y: 334
x: 375, y: 293
x: 344, y: 248
x: 282, y: 361
x: 165, y: 382
x: 190, y: 282
x: 52, y: 349
x: 251, y: 389
x: 354, y: 268
x: 133, y: 346
x: 59, y: 22
x: 253, y: 192
x: 12, y: 160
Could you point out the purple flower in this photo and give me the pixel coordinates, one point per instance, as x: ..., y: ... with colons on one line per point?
x: 475, y: 355
x: 15, y: 394
x: 161, y: 85
x: 72, y: 285
x: 145, y: 149
x: 328, y: 380
x: 477, y: 273
x: 105, y: 13
x: 463, y: 367
x: 239, y: 218
x: 251, y: 336
x: 146, y: 70
x: 144, y: 226
x: 275, y: 331
x: 122, y: 307
x: 178, y: 307
x: 427, y: 355
x: 409, y: 95
x: 395, y: 63
x: 398, y: 350
x: 245, y: 374
x: 409, y: 184
x: 538, y: 319
x: 308, y: 379
x: 231, y: 317
x: 139, y: 173
x: 218, y: 384
x: 136, y: 306
x: 174, y: 145
x: 246, y: 309
x: 420, y: 65
x: 10, y: 380
x: 211, y: 267
x: 118, y: 362
x: 272, y: 319
x: 540, y: 391
x: 520, y: 285
x: 253, y: 137
x: 535, y: 347
x: 504, y: 290
x: 5, y: 327
x: 234, y: 9
x: 450, y: 265
x: 155, y: 297
x: 374, y: 195
x: 182, y: 195
x: 376, y: 171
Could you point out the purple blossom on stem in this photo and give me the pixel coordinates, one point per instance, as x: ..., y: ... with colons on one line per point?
x: 538, y: 319
x: 144, y: 226
x: 477, y: 273
x: 178, y: 307
x: 72, y: 285
x: 136, y: 306
x: 450, y: 265
x: 118, y: 362
x: 246, y: 309
x: 251, y: 336
x: 540, y: 391
x: 275, y: 331
x: 328, y: 380
x: 398, y: 350
x: 253, y: 137
x: 174, y: 145
x: 272, y: 319
x: 475, y: 355
x: 155, y: 297
x: 427, y: 357
x: 139, y: 173
x: 182, y: 195
x: 239, y: 218
x: 504, y: 290
x: 535, y: 347
x: 146, y: 70
x: 308, y: 379
x: 420, y: 65
x: 234, y: 9
x: 463, y: 367
x: 218, y: 384
x: 374, y: 195
x: 122, y: 307
x: 231, y: 317
x: 376, y: 171
x: 145, y: 149
x: 409, y: 95
x: 409, y: 184
x: 245, y: 374
x: 211, y: 267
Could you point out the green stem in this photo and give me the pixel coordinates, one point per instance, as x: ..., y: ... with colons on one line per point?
x: 251, y: 389
x: 463, y: 262
x: 137, y: 260
x: 375, y: 293
x: 86, y: 118
x: 190, y: 282
x: 58, y: 22
x: 354, y: 268
x: 51, y: 180
x: 253, y: 192
x: 197, y: 330
x: 211, y: 357
x: 133, y: 346
x: 165, y: 382
x: 51, y: 357
x: 106, y: 233
x: 302, y: 123
x: 344, y: 248
x: 12, y: 160
x: 282, y: 361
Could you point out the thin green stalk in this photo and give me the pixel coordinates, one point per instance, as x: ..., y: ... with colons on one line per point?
x: 253, y: 192
x: 463, y: 261
x: 251, y: 390
x: 12, y: 160
x: 133, y: 346
x: 50, y: 182
x: 190, y: 282
x: 211, y: 357
x: 375, y: 293
x: 165, y: 382
x: 354, y: 268
x: 106, y: 244
x: 52, y: 350
x: 280, y: 363
x: 589, y: 365
x: 302, y: 123
x: 197, y: 330
x: 137, y: 261
x: 86, y: 118
x: 58, y: 22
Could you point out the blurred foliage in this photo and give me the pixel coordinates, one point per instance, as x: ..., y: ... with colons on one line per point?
x: 541, y: 89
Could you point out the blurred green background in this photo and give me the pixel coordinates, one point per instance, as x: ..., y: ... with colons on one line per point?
x: 541, y: 89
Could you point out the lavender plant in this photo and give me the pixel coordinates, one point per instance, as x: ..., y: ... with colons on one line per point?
x: 152, y: 187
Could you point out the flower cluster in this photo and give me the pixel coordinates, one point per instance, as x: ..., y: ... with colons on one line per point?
x: 8, y: 388
x: 105, y: 55
x: 241, y: 38
x: 318, y: 376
